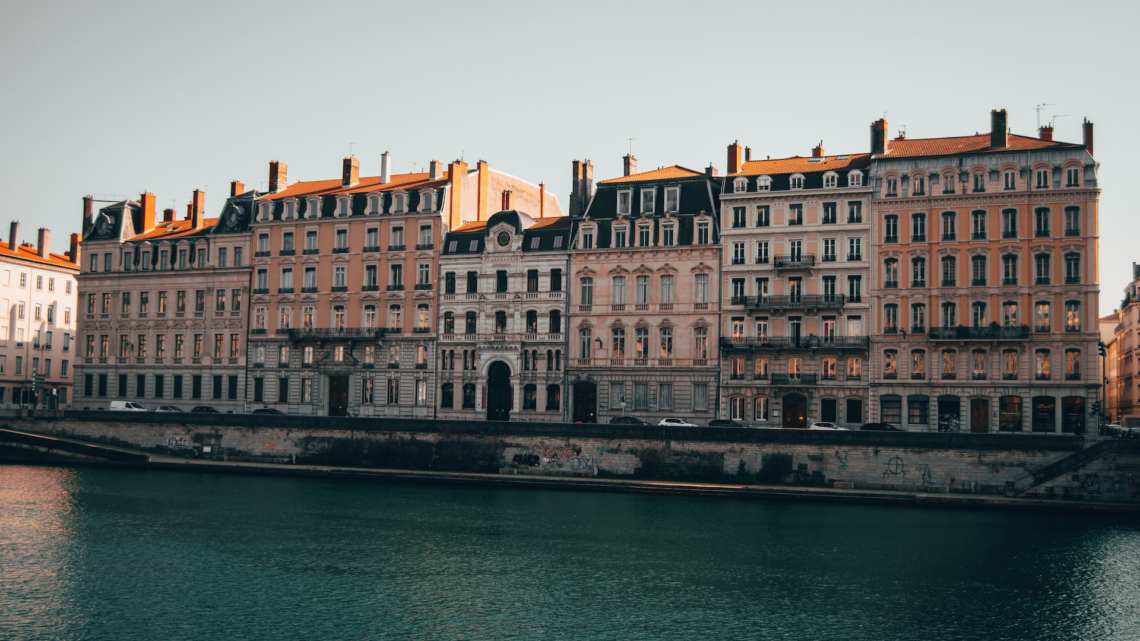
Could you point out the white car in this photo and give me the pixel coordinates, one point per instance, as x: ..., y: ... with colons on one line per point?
x: 824, y: 425
x: 675, y: 422
x: 126, y: 406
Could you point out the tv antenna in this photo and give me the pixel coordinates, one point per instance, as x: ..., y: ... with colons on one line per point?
x: 631, y: 145
x: 1039, y: 108
x: 350, y: 145
x: 1053, y: 121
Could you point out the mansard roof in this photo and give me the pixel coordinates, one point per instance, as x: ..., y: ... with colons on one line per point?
x: 366, y: 184
x: 470, y: 238
x: 661, y: 173
x: 803, y: 165
x: 976, y: 144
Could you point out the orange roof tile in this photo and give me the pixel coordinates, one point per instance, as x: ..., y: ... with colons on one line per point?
x: 175, y: 229
x: 1111, y: 317
x: 555, y: 221
x: 803, y: 164
x: 979, y: 143
x: 366, y: 184
x: 475, y: 225
x: 661, y: 173
x: 28, y: 253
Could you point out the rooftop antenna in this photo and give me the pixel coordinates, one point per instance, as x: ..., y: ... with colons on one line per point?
x: 902, y: 131
x: 463, y: 154
x: 631, y: 145
x: 350, y: 149
x: 1053, y: 121
x: 885, y: 114
x: 1041, y: 107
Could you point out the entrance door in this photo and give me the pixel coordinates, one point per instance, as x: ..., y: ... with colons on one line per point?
x: 499, y: 392
x: 338, y: 396
x: 949, y: 414
x: 585, y: 403
x: 795, y: 411
x: 854, y: 411
x: 980, y: 415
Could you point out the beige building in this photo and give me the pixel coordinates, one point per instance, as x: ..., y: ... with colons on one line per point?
x: 163, y: 304
x: 644, y: 302
x: 37, y: 321
x: 1124, y: 374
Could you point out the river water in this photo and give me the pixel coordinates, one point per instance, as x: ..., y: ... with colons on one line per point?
x: 94, y: 553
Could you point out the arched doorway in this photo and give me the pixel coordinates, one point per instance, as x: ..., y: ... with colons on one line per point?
x: 585, y: 402
x: 499, y: 397
x: 795, y: 411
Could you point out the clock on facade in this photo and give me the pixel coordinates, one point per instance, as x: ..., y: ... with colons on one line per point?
x: 504, y: 239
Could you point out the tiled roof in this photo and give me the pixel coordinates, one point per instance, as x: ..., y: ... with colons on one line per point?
x: 28, y: 253
x: 979, y: 143
x: 175, y: 229
x: 1111, y: 317
x: 803, y: 164
x: 366, y: 184
x: 661, y: 173
x: 555, y: 221
x: 476, y: 225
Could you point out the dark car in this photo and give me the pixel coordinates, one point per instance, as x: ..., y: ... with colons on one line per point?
x: 724, y: 422
x: 267, y: 410
x: 205, y: 409
x: 627, y: 420
x: 880, y: 427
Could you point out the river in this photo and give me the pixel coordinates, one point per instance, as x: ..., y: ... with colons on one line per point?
x: 94, y: 553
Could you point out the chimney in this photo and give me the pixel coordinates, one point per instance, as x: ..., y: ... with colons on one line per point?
x: 73, y: 254
x: 457, y: 176
x: 879, y: 144
x: 817, y: 151
x: 1088, y: 129
x: 385, y: 167
x: 236, y: 188
x: 582, y: 187
x: 1046, y: 133
x: 506, y: 200
x: 747, y: 154
x: 43, y: 242
x: 14, y: 235
x: 88, y: 211
x: 999, y: 129
x: 198, y: 209
x: 147, y: 200
x: 351, y: 172
x: 629, y: 164
x: 189, y: 211
x: 168, y: 215
x: 710, y: 171
x: 435, y: 170
x: 277, y: 176
x: 481, y: 195
x: 735, y: 156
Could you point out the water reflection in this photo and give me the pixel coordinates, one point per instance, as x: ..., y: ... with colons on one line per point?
x: 106, y: 554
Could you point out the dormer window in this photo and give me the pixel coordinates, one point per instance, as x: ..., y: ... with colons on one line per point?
x: 427, y: 201
x: 855, y: 179
x: 314, y: 209
x: 1073, y: 177
x: 342, y: 206
x: 740, y: 185
x: 1042, y: 179
x: 398, y: 205
x: 672, y: 199
x: 587, y: 238
x: 265, y: 209
x: 1010, y: 180
x: 797, y: 181
x: 919, y: 183
x: 948, y: 183
x: 624, y: 198
x: 892, y: 187
x: 374, y: 205
x: 830, y: 181
x: 979, y: 181
x: 647, y: 201
x: 763, y: 183
x: 703, y: 233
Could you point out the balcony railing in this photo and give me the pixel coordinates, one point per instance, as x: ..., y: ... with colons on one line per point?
x: 1009, y: 233
x: 794, y: 379
x: 1009, y: 281
x: 828, y: 258
x: 949, y: 282
x: 1041, y: 233
x: 918, y: 283
x: 791, y: 342
x: 340, y: 250
x: 790, y: 301
x: 890, y: 239
x: 1072, y: 232
x: 371, y: 249
x: 313, y: 333
x: 1042, y: 280
x: 949, y: 235
x: 854, y: 258
x: 795, y: 261
x: 978, y: 282
x: 918, y: 238
x: 891, y: 284
x: 309, y: 251
x: 287, y: 252
x: 979, y: 333
x: 1072, y: 280
x: 978, y: 235
x: 395, y: 248
x: 424, y: 246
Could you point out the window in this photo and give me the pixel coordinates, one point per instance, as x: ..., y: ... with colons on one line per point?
x: 918, y: 272
x: 890, y: 318
x: 666, y: 343
x: 1072, y: 221
x: 979, y: 364
x: 979, y: 314
x: 918, y: 318
x: 623, y: 201
x: 1009, y: 223
x: 854, y: 289
x: 761, y: 252
x: 763, y: 183
x: 978, y: 219
x: 1073, y: 177
x: 666, y: 290
x: 918, y: 410
x: 1009, y: 365
x: 1042, y: 181
x: 890, y: 229
x: 587, y: 236
x: 795, y: 214
x: 891, y: 272
x: 1043, y: 268
x: 739, y: 217
x: 647, y: 201
x: 584, y: 346
x: 1041, y: 223
x: 978, y: 269
x: 395, y: 277
x: 979, y: 181
x: 665, y: 396
x: 891, y: 409
x: 587, y: 291
x: 948, y: 181
x: 1072, y: 268
x: 1009, y: 314
x: 949, y: 226
x: 890, y: 364
x: 919, y: 186
x: 1072, y: 364
x: 643, y: 236
x: 854, y: 249
x: 830, y: 181
x: 617, y: 350
x: 1041, y: 317
x: 797, y: 181
x: 702, y: 233
x: 949, y: 364
x: 949, y: 269
x: 500, y: 322
x: 1072, y: 316
x: 892, y: 187
x: 701, y: 343
x: 1041, y: 367
x: 763, y: 216
x: 918, y: 227
x: 1009, y: 270
x: 640, y: 396
x: 1009, y: 180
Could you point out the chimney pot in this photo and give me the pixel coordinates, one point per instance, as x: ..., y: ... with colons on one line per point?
x: 43, y: 242
x: 73, y: 254
x: 278, y: 172
x: 198, y: 209
x: 14, y: 235
x: 747, y: 154
x: 1088, y: 131
x: 629, y: 164
x: 735, y: 157
x: 168, y: 215
x: 879, y: 142
x: 148, y: 202
x: 710, y: 171
x: 1045, y: 133
x: 88, y: 211
x: 817, y: 151
x: 351, y: 173
x: 385, y: 167
x: 236, y: 188
x: 999, y: 129
x: 435, y: 170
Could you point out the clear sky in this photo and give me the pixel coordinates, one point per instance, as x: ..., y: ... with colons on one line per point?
x: 114, y: 98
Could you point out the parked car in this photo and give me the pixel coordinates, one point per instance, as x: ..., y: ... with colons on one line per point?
x: 627, y: 420
x: 267, y: 410
x: 168, y: 408
x: 676, y: 422
x: 725, y: 422
x: 880, y: 427
x: 824, y: 425
x: 126, y: 406
x: 204, y: 409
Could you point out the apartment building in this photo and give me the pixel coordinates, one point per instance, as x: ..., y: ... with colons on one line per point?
x: 502, y: 344
x: 793, y: 340
x: 984, y: 281
x: 37, y: 321
x: 645, y: 309
x: 344, y: 294
x: 163, y: 315
x: 1123, y: 350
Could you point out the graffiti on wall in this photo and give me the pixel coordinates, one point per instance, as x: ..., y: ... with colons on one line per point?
x: 842, y: 461
x: 895, y: 468
x: 567, y: 458
x: 177, y: 441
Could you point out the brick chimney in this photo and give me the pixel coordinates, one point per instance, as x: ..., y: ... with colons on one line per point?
x: 435, y: 170
x: 629, y: 164
x: 735, y: 157
x: 506, y: 200
x: 73, y: 253
x: 385, y: 168
x: 350, y: 175
x: 14, y: 235
x: 457, y: 176
x: 542, y: 200
x: 43, y: 242
x: 710, y: 171
x: 999, y: 129
x: 198, y: 209
x: 1088, y: 130
x: 236, y: 188
x: 277, y: 176
x: 879, y: 143
x: 481, y: 203
x: 168, y: 215
x: 747, y: 154
x: 817, y: 151
x: 147, y: 200
x: 1045, y: 133
x: 88, y: 211
x: 582, y: 187
x: 189, y: 211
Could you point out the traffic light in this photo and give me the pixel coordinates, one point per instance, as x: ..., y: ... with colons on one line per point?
x: 1096, y: 407
x: 1100, y: 346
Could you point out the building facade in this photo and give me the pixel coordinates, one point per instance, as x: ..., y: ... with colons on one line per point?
x: 644, y: 304
x: 1123, y: 375
x: 344, y: 299
x: 793, y: 340
x: 37, y: 321
x: 984, y: 281
x: 502, y: 345
x: 164, y: 303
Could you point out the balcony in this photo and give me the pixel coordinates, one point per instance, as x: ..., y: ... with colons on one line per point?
x: 340, y: 250
x: 347, y: 333
x: 737, y: 260
x: 421, y: 330
x: 890, y: 239
x: 372, y: 249
x: 1009, y: 281
x: 1042, y: 280
x: 891, y: 284
x: 978, y: 235
x: 311, y: 251
x: 790, y: 342
x: 827, y: 258
x: 287, y: 252
x: 394, y: 288
x: 395, y: 248
x: 918, y: 238
x: 370, y: 288
x: 339, y: 288
x: 258, y: 331
x: 423, y: 286
x: 979, y: 333
x: 262, y: 254
x: 949, y: 282
x: 949, y: 235
x: 1072, y: 232
x: 425, y: 246
x: 854, y: 258
x: 1042, y: 233
x: 761, y: 260
x: 854, y: 219
x: 795, y: 261
x: 1072, y: 280
x: 918, y: 283
x: 284, y: 290
x: 794, y: 379
x: 978, y: 282
x: 309, y: 290
x: 791, y: 301
x: 261, y: 290
x: 1009, y: 233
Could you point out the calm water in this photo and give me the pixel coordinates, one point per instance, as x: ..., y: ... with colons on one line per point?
x: 110, y: 554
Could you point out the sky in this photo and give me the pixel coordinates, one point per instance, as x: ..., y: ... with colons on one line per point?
x: 116, y: 98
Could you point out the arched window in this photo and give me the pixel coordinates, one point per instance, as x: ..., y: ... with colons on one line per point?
x: 530, y: 396
x: 740, y: 185
x: 854, y: 178
x: 557, y: 360
x: 553, y: 397
x: 948, y: 181
x: 339, y: 318
x: 584, y: 347
x: 763, y: 183
x: 555, y: 322
x: 830, y: 180
x: 797, y: 181
x: 370, y: 317
x: 979, y: 181
x: 449, y: 322
x: 471, y: 323
x: 532, y: 322
x: 890, y: 364
x: 549, y: 360
x: 447, y: 395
